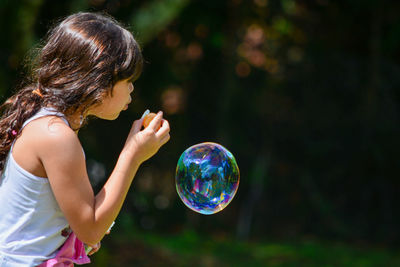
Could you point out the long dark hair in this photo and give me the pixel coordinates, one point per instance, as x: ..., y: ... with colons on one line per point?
x: 81, y: 60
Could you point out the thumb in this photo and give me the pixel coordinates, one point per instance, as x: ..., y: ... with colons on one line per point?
x: 136, y: 126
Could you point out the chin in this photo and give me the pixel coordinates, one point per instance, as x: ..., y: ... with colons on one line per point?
x: 114, y: 117
x: 110, y: 117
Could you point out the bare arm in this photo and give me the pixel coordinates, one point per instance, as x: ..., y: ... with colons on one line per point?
x: 90, y: 216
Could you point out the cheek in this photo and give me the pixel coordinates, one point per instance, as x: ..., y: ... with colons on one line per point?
x: 105, y: 106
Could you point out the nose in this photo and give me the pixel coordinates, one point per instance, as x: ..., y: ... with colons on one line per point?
x: 131, y: 88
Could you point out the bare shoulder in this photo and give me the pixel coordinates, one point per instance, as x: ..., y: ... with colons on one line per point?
x: 45, y: 141
x: 49, y: 133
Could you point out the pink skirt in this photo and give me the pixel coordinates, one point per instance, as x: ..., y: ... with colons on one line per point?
x: 73, y: 251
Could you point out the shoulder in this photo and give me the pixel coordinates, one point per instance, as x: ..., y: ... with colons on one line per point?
x: 45, y: 143
x: 51, y: 135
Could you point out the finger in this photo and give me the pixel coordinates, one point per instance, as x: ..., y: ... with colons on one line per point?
x: 164, y: 130
x: 136, y: 126
x: 165, y: 139
x: 155, y: 123
x: 91, y: 252
x: 95, y: 249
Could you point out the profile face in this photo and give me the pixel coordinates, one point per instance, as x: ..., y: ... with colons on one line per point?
x: 111, y: 106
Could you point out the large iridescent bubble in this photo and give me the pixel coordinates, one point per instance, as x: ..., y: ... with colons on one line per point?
x: 207, y: 177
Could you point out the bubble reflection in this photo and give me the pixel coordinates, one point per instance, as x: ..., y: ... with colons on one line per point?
x: 207, y: 177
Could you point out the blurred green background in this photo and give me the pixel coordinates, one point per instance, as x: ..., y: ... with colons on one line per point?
x: 305, y: 94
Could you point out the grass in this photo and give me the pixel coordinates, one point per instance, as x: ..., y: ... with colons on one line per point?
x: 191, y: 249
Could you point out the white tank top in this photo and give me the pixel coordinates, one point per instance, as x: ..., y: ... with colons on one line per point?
x: 32, y: 226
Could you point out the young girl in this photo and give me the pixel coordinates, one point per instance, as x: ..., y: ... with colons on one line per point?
x: 48, y: 209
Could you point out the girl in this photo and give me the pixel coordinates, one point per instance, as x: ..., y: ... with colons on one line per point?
x: 48, y: 208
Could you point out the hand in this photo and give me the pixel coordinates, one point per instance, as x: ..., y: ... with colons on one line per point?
x: 94, y: 249
x: 142, y: 145
x: 90, y: 250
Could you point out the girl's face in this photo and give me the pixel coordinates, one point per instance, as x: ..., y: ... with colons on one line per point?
x: 111, y: 106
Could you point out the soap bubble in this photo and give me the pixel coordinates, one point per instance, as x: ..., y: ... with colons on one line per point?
x: 207, y: 177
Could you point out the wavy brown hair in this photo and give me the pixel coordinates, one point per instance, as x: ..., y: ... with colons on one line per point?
x: 81, y: 60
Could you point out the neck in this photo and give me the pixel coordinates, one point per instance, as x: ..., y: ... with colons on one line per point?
x: 75, y: 121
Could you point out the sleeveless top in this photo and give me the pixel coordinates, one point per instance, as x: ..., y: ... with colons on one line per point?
x: 32, y: 226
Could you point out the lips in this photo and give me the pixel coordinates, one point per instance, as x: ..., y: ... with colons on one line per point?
x: 127, y: 104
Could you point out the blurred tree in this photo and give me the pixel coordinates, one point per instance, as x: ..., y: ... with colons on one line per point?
x: 304, y: 93
x: 154, y: 17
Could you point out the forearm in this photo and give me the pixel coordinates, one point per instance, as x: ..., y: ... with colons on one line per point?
x: 140, y: 146
x: 109, y: 201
